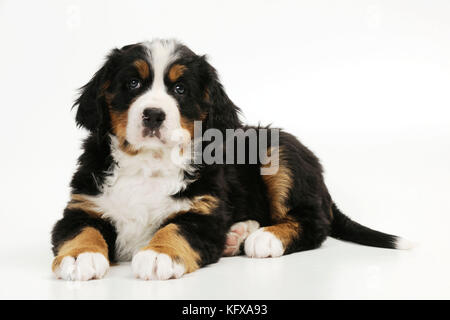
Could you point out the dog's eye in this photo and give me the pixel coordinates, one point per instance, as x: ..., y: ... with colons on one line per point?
x: 134, y: 84
x: 179, y: 89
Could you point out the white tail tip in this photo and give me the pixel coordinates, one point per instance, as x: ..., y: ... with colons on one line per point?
x: 404, y: 244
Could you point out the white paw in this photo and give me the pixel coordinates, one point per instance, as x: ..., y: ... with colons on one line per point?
x: 87, y: 265
x: 263, y: 244
x: 151, y: 265
x: 237, y: 234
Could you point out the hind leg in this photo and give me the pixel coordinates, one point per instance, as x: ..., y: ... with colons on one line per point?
x: 300, y: 214
x: 237, y: 235
x: 272, y: 241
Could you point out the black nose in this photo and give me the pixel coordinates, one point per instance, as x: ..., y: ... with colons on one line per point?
x: 152, y: 118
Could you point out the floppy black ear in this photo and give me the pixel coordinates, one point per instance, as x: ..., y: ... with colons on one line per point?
x: 223, y: 113
x: 91, y: 102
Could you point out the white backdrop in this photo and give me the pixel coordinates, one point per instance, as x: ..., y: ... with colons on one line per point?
x: 364, y: 84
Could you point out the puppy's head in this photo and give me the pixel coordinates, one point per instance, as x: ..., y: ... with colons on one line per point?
x: 149, y: 94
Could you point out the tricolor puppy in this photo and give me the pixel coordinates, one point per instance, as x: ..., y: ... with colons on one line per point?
x: 131, y: 200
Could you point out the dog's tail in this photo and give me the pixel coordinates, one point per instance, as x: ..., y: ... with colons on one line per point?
x: 346, y: 229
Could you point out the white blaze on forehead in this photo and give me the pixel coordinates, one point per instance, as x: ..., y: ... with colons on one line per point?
x: 161, y: 54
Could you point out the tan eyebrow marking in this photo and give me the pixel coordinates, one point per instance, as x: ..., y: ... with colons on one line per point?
x: 142, y: 68
x: 176, y: 71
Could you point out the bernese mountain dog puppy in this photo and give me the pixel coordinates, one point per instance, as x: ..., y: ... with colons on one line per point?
x: 132, y: 200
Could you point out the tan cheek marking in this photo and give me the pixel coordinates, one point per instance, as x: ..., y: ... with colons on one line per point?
x: 88, y: 240
x: 286, y: 232
x: 176, y: 71
x: 81, y: 202
x: 142, y: 68
x: 278, y: 187
x: 188, y: 124
x: 168, y: 240
x: 119, y: 121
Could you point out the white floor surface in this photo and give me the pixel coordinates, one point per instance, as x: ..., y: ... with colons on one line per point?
x: 338, y: 270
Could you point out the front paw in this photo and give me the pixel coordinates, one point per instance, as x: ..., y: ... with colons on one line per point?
x: 86, y: 266
x: 151, y: 265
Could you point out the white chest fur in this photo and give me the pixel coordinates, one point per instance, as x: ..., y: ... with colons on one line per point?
x: 137, y: 197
